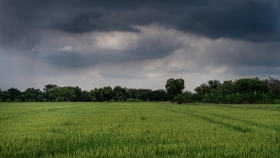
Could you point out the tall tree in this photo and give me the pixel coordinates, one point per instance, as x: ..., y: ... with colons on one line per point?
x: 50, y: 92
x: 174, y: 87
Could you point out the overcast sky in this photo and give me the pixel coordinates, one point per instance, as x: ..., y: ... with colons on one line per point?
x: 136, y: 44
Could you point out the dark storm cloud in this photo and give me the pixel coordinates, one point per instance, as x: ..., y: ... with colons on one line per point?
x: 250, y: 20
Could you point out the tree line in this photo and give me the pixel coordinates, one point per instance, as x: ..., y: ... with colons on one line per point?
x: 54, y: 93
x: 245, y: 90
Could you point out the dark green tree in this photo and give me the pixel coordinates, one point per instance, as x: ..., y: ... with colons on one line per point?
x: 146, y: 95
x: 1, y: 95
x: 6, y: 97
x: 219, y: 94
x: 250, y: 85
x: 174, y: 87
x: 158, y: 95
x: 120, y: 94
x: 65, y: 94
x: 14, y: 94
x: 203, y: 89
x: 107, y: 93
x: 78, y: 91
x: 32, y: 95
x: 84, y: 97
x: 214, y: 83
x: 274, y: 86
x: 251, y: 89
x: 50, y: 92
x: 96, y: 95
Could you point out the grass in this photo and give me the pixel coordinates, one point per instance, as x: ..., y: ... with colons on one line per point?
x: 138, y: 130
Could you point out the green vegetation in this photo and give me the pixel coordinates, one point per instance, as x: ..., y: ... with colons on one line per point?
x: 139, y: 129
x: 241, y: 91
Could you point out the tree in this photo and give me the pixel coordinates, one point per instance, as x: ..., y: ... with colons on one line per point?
x: 174, y: 87
x: 221, y: 93
x: 50, y: 92
x: 207, y: 88
x: 1, y: 96
x: 14, y: 94
x: 158, y: 95
x: 120, y: 94
x: 107, y: 93
x: 85, y: 96
x: 252, y: 89
x: 226, y: 88
x: 143, y: 94
x: 274, y: 86
x: 31, y: 94
x: 96, y: 95
x: 65, y: 94
x: 249, y: 85
x: 214, y: 83
x: 189, y: 97
x: 133, y: 92
x: 146, y: 95
x: 6, y: 96
x: 203, y: 89
x: 78, y: 91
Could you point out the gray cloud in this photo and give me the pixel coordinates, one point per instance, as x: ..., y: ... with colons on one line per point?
x: 146, y: 50
x: 252, y: 20
x: 145, y: 41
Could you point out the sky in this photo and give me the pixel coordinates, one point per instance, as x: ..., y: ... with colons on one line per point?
x: 136, y: 44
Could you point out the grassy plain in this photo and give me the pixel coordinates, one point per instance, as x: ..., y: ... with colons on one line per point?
x: 138, y: 130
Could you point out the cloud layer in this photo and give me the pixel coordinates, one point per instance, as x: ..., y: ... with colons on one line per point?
x: 137, y: 43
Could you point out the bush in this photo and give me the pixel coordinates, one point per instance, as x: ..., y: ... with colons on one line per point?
x: 180, y: 99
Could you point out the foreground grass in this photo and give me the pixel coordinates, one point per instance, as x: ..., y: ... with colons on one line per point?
x: 138, y: 130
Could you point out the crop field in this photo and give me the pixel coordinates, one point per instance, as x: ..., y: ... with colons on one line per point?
x: 138, y: 130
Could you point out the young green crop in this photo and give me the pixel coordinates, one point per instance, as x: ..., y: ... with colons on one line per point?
x: 138, y: 130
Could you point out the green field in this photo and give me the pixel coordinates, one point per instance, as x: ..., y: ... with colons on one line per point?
x: 138, y: 130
